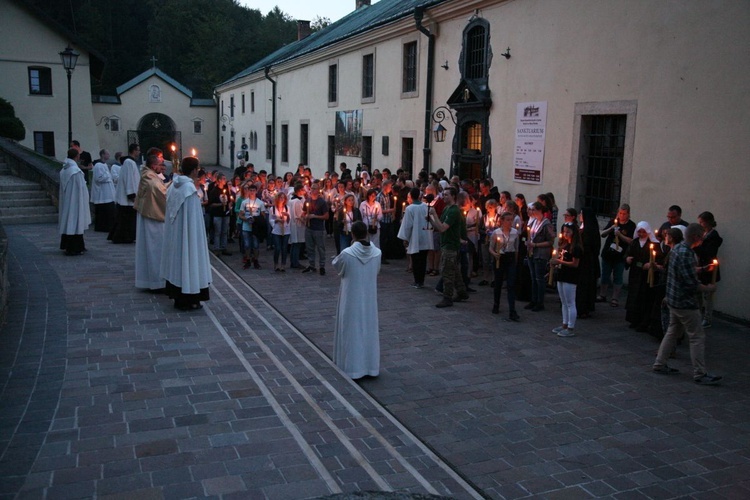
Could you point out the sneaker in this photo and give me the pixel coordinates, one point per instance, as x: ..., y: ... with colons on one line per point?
x: 495, y: 309
x: 665, y: 370
x: 568, y: 332
x: 706, y: 324
x: 322, y: 271
x: 444, y: 303
x: 558, y: 329
x: 461, y: 297
x: 514, y: 316
x: 308, y: 269
x: 530, y: 305
x: 709, y: 380
x: 471, y: 290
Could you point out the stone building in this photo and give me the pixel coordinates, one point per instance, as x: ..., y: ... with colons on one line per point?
x: 601, y: 102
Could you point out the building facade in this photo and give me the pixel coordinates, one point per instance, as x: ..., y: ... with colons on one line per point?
x: 155, y: 110
x: 35, y: 82
x: 600, y: 102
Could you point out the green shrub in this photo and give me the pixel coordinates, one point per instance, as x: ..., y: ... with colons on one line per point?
x: 10, y: 126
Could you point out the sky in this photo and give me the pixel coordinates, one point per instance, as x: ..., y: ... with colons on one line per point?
x: 305, y: 10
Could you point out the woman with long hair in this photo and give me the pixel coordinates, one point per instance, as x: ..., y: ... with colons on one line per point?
x: 569, y: 253
x: 503, y: 247
x: 372, y: 214
x: 346, y: 215
x: 539, y: 248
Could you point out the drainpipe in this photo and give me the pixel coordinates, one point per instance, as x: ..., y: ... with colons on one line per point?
x: 218, y: 126
x: 427, y: 151
x: 273, y: 119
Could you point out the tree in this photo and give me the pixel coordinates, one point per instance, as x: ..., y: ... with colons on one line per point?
x: 10, y: 126
x: 320, y: 23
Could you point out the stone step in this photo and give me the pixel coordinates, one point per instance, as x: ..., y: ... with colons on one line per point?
x: 23, y: 195
x: 9, y: 220
x: 41, y: 210
x: 24, y: 202
x: 19, y: 186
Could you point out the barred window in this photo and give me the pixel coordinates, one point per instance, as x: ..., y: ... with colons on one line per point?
x: 333, y: 75
x: 603, y: 153
x: 368, y: 76
x: 409, y: 83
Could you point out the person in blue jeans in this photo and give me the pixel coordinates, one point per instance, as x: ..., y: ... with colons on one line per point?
x: 278, y: 217
x: 250, y: 209
x: 539, y: 250
x: 502, y: 245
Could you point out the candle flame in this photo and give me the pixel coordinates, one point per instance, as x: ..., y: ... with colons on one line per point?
x: 716, y: 262
x: 174, y: 148
x: 193, y: 152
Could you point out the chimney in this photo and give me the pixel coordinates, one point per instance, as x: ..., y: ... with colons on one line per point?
x: 303, y: 30
x: 362, y: 3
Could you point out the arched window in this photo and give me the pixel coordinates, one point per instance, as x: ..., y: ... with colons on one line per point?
x: 476, y: 54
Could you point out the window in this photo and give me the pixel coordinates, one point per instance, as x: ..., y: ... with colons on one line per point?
x: 44, y: 143
x: 367, y: 151
x: 114, y: 124
x: 269, y: 146
x: 252, y: 101
x: 242, y: 102
x: 386, y: 145
x: 475, y: 53
x: 472, y: 138
x: 333, y: 75
x: 284, y: 143
x: 222, y: 143
x: 407, y: 153
x: 368, y: 77
x: 197, y: 127
x: 304, y: 142
x: 40, y: 81
x: 409, y: 83
x: 603, y: 147
x: 231, y: 106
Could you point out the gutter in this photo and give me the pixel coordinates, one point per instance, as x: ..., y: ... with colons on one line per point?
x: 426, y: 150
x: 267, y: 70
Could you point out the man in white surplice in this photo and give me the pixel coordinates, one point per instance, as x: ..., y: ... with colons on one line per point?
x: 74, y: 213
x: 151, y: 205
x: 356, y: 339
x: 184, y: 261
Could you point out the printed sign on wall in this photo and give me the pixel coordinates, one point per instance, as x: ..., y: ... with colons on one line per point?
x: 528, y: 158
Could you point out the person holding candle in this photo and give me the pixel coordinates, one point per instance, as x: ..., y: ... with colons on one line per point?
x: 619, y: 233
x: 316, y: 214
x: 279, y: 220
x: 473, y: 218
x: 251, y: 213
x: 346, y: 216
x: 570, y: 251
x: 503, y: 247
x: 296, y: 205
x: 707, y: 252
x: 372, y: 214
x: 684, y: 313
x: 450, y: 225
x: 329, y: 192
x: 388, y: 202
x: 639, y: 258
x: 539, y: 249
x: 184, y: 264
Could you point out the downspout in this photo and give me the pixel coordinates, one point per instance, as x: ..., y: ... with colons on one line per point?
x: 273, y: 119
x: 427, y: 151
x: 218, y: 126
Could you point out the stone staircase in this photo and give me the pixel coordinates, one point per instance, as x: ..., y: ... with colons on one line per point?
x: 23, y: 202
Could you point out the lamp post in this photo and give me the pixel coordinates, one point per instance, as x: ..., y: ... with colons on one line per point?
x: 69, y: 59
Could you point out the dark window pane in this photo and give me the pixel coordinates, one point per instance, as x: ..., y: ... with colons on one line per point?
x: 602, y: 154
x: 410, y: 68
x: 333, y: 83
x: 368, y: 75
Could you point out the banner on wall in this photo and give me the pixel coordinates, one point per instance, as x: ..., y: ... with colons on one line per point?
x: 349, y: 133
x: 528, y: 158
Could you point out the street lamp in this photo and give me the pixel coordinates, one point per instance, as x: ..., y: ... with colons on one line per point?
x: 438, y: 116
x: 69, y: 59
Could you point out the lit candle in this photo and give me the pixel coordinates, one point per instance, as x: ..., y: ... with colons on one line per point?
x: 716, y: 270
x: 193, y: 152
x: 551, y: 279
x: 498, y: 250
x: 651, y: 263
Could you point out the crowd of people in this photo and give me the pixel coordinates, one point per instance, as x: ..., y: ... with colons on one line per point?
x: 459, y: 230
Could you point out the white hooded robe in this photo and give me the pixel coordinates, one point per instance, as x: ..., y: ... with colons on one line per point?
x: 74, y: 213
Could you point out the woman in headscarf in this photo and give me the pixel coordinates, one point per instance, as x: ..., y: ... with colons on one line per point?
x: 639, y: 289
x: 588, y: 267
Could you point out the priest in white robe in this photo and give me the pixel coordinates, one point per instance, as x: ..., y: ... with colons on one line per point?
x: 356, y: 337
x: 125, y: 191
x: 103, y: 194
x: 184, y: 260
x: 416, y: 233
x: 150, y: 205
x: 74, y: 215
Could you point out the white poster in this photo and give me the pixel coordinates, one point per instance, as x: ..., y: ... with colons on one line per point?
x: 528, y: 159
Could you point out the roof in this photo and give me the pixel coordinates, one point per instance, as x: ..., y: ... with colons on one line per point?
x: 148, y: 74
x: 97, y: 60
x: 360, y: 21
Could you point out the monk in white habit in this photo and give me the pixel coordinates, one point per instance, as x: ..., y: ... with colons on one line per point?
x: 356, y: 339
x: 125, y: 191
x: 74, y: 213
x: 184, y: 260
x: 150, y: 205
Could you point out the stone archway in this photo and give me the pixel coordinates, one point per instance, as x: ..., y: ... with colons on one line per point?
x: 158, y: 130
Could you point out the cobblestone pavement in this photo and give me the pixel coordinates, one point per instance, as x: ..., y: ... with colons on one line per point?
x: 108, y: 392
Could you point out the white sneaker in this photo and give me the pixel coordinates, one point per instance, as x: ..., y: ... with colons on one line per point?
x: 558, y: 329
x: 568, y: 332
x: 706, y: 324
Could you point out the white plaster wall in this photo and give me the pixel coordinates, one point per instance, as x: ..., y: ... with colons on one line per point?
x: 27, y: 42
